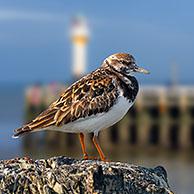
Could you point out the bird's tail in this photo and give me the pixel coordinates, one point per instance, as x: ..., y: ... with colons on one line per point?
x: 35, y: 125
x: 43, y: 121
x: 21, y: 131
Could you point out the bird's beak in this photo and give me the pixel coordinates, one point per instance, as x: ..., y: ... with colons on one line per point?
x: 141, y: 70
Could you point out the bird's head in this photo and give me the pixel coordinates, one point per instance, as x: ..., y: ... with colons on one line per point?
x: 123, y: 63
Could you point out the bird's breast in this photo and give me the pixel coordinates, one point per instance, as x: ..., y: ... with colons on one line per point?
x: 129, y: 88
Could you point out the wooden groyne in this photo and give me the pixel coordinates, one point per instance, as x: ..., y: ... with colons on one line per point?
x: 161, y: 117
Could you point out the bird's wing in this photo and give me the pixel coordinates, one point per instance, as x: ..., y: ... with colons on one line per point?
x: 92, y: 94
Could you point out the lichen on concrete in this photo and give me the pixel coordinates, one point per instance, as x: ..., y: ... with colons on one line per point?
x: 66, y: 175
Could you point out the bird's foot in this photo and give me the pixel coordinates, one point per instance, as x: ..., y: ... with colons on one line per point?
x: 96, y: 158
x: 105, y: 160
x: 86, y: 157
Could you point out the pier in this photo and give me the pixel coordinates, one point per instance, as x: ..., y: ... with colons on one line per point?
x: 161, y: 117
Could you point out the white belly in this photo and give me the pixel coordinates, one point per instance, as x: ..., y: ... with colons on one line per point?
x: 99, y: 121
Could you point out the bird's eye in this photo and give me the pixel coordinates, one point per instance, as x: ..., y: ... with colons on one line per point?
x: 125, y: 70
x: 124, y: 62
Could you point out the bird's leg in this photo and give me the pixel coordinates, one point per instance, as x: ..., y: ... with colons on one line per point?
x: 81, y: 138
x: 95, y: 141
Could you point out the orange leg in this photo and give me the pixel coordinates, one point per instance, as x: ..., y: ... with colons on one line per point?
x: 81, y: 138
x: 95, y: 141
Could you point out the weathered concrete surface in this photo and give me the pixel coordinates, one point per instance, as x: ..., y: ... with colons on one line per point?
x: 66, y: 175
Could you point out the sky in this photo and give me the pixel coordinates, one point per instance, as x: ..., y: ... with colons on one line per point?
x: 35, y: 43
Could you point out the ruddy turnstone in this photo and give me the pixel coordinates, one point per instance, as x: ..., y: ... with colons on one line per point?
x: 96, y: 101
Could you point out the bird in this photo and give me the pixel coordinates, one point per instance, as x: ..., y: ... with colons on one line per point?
x: 96, y: 101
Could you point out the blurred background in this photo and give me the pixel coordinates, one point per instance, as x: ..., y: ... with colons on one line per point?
x: 46, y: 45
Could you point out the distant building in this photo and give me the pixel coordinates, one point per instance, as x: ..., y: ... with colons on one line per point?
x: 79, y: 36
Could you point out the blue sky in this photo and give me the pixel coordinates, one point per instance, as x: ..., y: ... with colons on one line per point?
x: 35, y: 45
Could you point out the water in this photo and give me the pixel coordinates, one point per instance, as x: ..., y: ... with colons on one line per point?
x: 180, y: 165
x: 11, y: 116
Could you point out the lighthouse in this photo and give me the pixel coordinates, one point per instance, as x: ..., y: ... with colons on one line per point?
x: 79, y: 36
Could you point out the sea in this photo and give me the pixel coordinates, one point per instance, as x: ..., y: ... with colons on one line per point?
x: 179, y: 165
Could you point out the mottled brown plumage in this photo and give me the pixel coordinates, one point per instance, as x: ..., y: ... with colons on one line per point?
x: 92, y: 96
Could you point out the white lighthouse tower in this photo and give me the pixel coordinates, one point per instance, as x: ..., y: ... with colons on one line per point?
x: 79, y: 37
